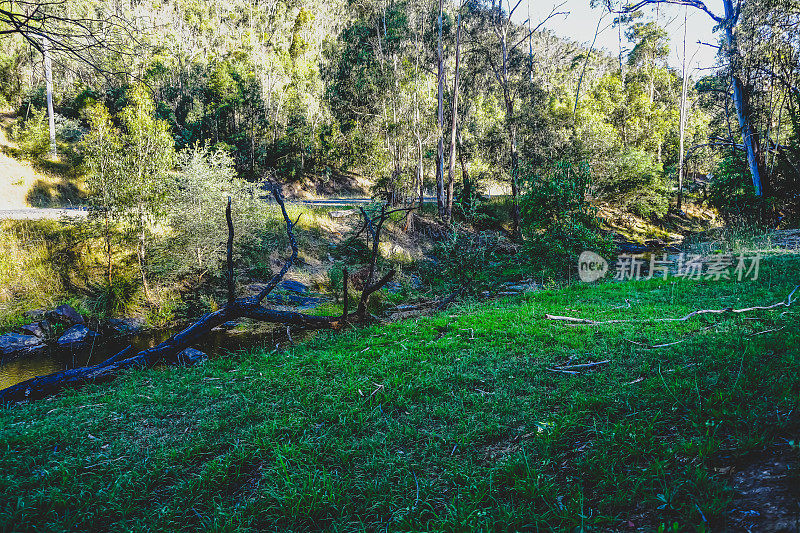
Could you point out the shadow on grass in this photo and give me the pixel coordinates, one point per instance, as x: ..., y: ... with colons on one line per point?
x: 48, y: 194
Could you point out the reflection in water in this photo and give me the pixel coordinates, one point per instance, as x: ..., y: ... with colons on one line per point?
x: 13, y: 371
x: 22, y: 368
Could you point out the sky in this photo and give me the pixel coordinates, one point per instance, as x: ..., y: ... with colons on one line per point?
x: 581, y: 22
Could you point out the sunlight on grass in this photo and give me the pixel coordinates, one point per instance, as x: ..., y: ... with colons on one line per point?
x: 451, y: 422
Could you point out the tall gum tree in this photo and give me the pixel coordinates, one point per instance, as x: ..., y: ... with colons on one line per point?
x: 730, y: 49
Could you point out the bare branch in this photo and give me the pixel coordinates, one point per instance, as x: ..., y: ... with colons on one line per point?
x: 276, y: 193
x: 629, y: 8
x: 231, y: 284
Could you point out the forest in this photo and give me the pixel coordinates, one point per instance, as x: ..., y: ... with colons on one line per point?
x: 419, y: 265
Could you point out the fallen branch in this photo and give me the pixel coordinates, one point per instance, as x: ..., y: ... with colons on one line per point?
x: 558, y: 370
x: 787, y: 303
x: 168, y: 352
x: 653, y: 346
x: 583, y: 366
x: 576, y: 369
x: 766, y: 331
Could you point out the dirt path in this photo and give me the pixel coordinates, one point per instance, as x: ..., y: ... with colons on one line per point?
x: 23, y: 184
x: 16, y: 178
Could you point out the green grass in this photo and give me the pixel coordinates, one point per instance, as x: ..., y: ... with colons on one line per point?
x: 448, y: 423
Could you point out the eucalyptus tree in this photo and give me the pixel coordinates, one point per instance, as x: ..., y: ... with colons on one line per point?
x: 728, y: 22
x: 506, y: 63
x: 129, y: 170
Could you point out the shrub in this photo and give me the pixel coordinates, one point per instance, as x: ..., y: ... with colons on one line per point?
x: 206, y: 178
x: 557, y: 221
x: 474, y: 260
x: 732, y: 193
x: 636, y: 183
x: 33, y: 135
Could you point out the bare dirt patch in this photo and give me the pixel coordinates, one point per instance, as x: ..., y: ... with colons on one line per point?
x: 767, y: 488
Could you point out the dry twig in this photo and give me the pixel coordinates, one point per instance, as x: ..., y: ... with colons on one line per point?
x: 787, y: 303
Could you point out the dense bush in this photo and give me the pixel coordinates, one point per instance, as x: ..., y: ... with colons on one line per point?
x: 732, y: 193
x: 636, y: 183
x: 557, y: 220
x: 33, y: 135
x: 465, y: 259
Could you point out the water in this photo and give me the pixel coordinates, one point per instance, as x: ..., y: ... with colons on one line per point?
x: 13, y: 371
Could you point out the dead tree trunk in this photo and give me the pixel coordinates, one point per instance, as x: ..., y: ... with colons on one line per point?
x: 168, y: 352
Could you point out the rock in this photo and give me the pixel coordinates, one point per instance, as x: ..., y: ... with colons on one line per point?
x: 343, y: 213
x: 76, y: 335
x: 191, y: 356
x: 523, y: 287
x: 66, y: 315
x: 39, y: 329
x: 293, y: 286
x: 13, y: 344
x: 125, y: 326
x: 393, y: 287
x: 36, y: 314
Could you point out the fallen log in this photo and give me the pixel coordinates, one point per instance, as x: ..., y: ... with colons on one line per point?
x: 169, y: 351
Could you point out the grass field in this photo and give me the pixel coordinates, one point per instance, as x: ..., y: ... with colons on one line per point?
x: 447, y: 423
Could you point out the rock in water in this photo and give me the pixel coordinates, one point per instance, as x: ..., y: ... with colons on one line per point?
x: 66, y: 314
x: 37, y: 329
x: 77, y: 335
x: 125, y: 326
x: 13, y: 344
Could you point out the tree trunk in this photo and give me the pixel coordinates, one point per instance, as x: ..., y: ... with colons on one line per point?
x: 420, y: 172
x: 683, y: 117
x: 740, y: 97
x: 440, y: 120
x: 452, y: 166
x: 512, y: 136
x: 516, y: 232
x: 48, y: 76
x: 467, y: 192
